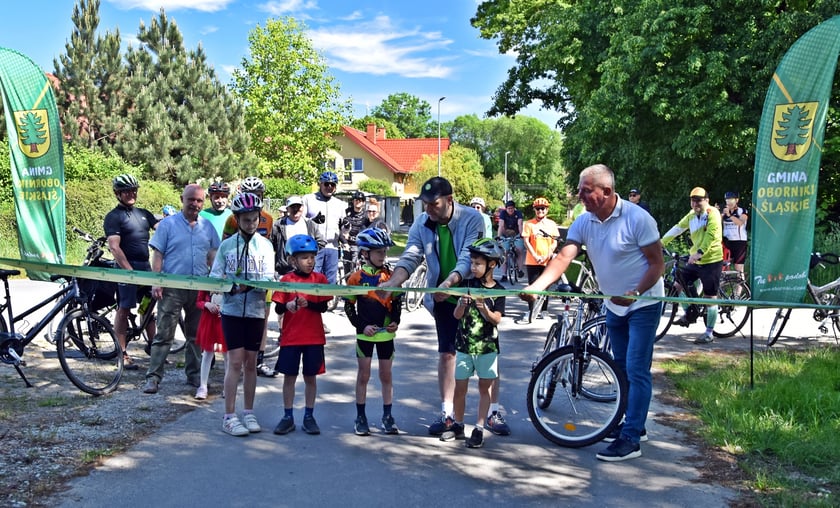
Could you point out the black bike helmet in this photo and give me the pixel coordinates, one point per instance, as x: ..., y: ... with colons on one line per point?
x: 218, y: 188
x: 359, y: 195
x: 373, y: 238
x: 487, y: 248
x: 125, y: 182
x: 246, y: 202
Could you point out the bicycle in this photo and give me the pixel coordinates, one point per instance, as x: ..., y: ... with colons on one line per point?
x: 414, y: 299
x: 731, y: 318
x: 593, y: 392
x: 827, y: 294
x: 511, y: 258
x: 104, y: 296
x: 86, y: 345
x: 585, y: 282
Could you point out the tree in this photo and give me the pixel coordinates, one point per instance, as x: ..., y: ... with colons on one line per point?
x: 293, y: 104
x: 534, y: 161
x: 459, y: 165
x: 391, y: 129
x: 410, y: 114
x: 181, y: 123
x: 90, y: 80
x: 667, y: 93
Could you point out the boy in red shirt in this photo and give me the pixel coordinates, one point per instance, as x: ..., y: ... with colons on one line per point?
x: 303, y: 335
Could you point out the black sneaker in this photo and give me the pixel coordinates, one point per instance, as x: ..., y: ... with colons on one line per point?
x: 497, y: 424
x: 476, y: 439
x: 616, y: 433
x: 389, y: 426
x: 521, y: 274
x: 361, y: 426
x: 310, y: 426
x: 682, y: 321
x: 456, y: 431
x: 620, y: 449
x: 286, y: 425
x: 441, y: 425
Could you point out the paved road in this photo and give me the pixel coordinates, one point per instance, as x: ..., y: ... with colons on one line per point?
x: 190, y: 462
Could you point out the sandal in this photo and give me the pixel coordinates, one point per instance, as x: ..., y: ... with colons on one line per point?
x: 128, y: 363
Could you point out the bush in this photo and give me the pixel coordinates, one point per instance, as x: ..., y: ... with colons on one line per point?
x: 376, y: 187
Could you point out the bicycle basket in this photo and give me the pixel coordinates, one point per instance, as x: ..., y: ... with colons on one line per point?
x: 99, y: 293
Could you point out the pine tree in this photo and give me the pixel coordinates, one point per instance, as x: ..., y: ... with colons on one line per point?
x: 180, y: 121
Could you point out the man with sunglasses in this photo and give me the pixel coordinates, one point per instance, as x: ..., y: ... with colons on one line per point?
x: 706, y: 260
x: 635, y: 197
x: 326, y: 211
x: 127, y: 232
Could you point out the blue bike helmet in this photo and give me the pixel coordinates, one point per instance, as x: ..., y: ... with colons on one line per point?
x: 328, y: 177
x: 373, y: 238
x: 169, y: 210
x: 301, y: 243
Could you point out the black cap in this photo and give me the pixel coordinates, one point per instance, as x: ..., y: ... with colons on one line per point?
x: 434, y: 188
x: 510, y: 203
x: 730, y: 195
x: 635, y: 191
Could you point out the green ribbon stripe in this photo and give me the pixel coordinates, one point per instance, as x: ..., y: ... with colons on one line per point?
x: 224, y: 285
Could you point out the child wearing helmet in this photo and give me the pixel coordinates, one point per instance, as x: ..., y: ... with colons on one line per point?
x: 250, y: 185
x: 477, y: 339
x: 376, y: 320
x: 245, y: 256
x: 303, y: 338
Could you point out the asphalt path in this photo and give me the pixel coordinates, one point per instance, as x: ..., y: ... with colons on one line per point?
x: 191, y: 462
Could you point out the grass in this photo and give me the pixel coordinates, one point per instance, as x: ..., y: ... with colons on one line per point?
x: 399, y: 244
x: 785, y: 431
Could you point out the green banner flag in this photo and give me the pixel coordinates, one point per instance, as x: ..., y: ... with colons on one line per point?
x: 787, y: 163
x: 37, y: 160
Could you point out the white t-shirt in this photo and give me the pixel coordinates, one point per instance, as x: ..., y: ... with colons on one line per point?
x: 615, y: 248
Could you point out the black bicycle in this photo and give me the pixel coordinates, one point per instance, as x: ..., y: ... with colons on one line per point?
x: 87, y: 347
x: 103, y: 299
x: 588, y: 392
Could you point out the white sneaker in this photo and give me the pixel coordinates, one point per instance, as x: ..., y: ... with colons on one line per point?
x: 201, y: 392
x: 234, y: 427
x: 251, y: 423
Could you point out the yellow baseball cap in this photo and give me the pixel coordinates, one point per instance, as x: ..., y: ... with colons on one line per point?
x: 699, y: 192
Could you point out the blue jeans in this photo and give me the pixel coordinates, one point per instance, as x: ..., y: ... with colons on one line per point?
x: 326, y: 262
x: 632, y: 337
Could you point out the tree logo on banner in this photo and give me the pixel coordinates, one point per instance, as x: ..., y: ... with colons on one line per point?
x: 33, y: 132
x: 794, y: 126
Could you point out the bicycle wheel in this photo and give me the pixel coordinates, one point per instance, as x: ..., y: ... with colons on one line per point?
x: 575, y: 419
x: 89, y: 352
x: 413, y: 299
x: 545, y: 389
x: 512, y: 273
x: 779, y: 322
x: 731, y: 318
x: 669, y: 314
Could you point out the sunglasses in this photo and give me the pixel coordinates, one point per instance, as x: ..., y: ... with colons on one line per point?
x: 328, y: 183
x: 477, y: 207
x: 538, y: 208
x: 695, y: 199
x: 373, y: 211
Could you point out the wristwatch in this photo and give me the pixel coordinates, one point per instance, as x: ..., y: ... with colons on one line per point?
x: 636, y: 292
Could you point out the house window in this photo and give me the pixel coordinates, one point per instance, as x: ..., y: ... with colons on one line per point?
x: 354, y: 165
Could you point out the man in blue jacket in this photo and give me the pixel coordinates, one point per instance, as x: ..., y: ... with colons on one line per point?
x: 441, y: 235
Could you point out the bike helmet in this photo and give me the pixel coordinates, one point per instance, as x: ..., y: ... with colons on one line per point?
x: 541, y: 202
x: 487, y: 248
x: 218, y: 188
x: 373, y: 238
x: 328, y: 177
x: 358, y: 195
x: 246, y: 202
x: 478, y: 201
x: 125, y: 182
x: 730, y: 195
x: 169, y: 210
x: 252, y: 184
x: 301, y: 243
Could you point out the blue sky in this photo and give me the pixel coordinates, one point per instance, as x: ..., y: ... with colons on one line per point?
x: 372, y: 47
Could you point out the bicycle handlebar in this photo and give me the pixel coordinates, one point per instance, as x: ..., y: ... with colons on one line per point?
x: 828, y: 258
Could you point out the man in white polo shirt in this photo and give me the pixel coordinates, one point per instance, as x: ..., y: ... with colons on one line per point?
x: 623, y: 243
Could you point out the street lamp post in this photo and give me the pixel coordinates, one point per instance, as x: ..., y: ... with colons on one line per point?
x: 507, y: 192
x: 439, y: 101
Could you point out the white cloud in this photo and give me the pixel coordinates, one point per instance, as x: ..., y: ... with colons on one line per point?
x: 379, y: 48
x: 280, y: 7
x: 172, y: 5
x: 209, y: 29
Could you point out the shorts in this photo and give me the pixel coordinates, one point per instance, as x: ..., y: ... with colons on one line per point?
x: 485, y: 366
x: 709, y: 275
x: 446, y: 326
x: 737, y: 250
x: 128, y: 292
x: 242, y: 332
x: 384, y: 350
x: 289, y: 360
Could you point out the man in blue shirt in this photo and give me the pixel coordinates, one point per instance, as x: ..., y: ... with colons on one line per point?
x: 184, y: 244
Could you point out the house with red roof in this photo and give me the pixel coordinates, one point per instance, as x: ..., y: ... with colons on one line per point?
x: 371, y: 154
